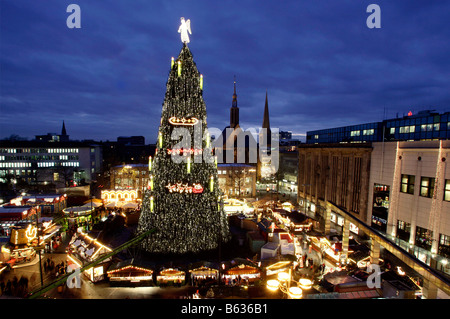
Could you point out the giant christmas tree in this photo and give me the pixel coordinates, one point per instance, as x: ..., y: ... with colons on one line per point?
x: 183, y: 199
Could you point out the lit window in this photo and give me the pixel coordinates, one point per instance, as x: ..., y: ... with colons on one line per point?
x: 392, y: 131
x: 436, y: 126
x: 427, y: 187
x: 407, y: 184
x: 447, y: 190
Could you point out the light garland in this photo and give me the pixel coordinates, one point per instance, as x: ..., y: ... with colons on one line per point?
x: 131, y: 268
x: 115, y: 194
x: 188, y: 218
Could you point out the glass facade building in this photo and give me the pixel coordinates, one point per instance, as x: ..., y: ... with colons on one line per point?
x: 425, y: 125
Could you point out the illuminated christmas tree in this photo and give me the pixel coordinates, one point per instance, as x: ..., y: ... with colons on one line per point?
x: 183, y: 198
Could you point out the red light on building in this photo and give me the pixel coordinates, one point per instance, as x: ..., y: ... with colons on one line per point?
x: 409, y: 113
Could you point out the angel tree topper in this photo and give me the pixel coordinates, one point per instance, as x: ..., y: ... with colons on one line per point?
x: 184, y: 28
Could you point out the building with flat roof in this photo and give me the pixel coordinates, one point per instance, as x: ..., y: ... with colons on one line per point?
x: 40, y: 162
x: 334, y: 172
x: 409, y: 197
x: 424, y: 125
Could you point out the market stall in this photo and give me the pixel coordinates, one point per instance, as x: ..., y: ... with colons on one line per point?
x: 299, y: 222
x: 84, y: 249
x: 242, y: 275
x: 130, y: 273
x: 329, y: 250
x: 203, y: 275
x: 269, y: 250
x: 171, y: 277
x: 277, y: 267
x: 78, y: 216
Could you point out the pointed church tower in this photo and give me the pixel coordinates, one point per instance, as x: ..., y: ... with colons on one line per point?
x: 234, y: 110
x: 266, y: 121
x: 63, y: 131
x: 63, y: 137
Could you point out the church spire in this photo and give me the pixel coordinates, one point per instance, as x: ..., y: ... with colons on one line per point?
x: 234, y: 110
x: 63, y: 131
x: 266, y: 122
x: 234, y: 104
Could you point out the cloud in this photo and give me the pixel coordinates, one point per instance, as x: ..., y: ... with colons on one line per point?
x: 321, y: 65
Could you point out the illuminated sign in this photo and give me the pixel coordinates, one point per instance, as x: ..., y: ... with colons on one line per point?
x: 183, y: 121
x: 185, y: 151
x: 185, y: 188
x: 31, y: 232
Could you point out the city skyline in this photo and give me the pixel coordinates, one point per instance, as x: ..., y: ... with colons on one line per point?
x: 319, y: 62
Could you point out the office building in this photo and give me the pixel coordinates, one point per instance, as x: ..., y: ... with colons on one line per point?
x: 423, y: 126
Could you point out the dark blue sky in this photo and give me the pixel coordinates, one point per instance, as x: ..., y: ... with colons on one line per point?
x: 320, y: 63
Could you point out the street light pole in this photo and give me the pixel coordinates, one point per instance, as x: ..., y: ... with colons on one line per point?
x: 38, y: 243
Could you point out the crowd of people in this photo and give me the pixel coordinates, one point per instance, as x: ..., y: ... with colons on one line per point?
x: 15, y: 287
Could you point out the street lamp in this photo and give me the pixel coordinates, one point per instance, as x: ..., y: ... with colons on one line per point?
x: 283, y: 283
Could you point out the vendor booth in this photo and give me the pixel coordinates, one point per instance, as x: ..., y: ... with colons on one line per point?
x: 242, y: 275
x: 171, y: 277
x: 300, y: 222
x: 277, y: 267
x: 79, y: 216
x: 269, y: 250
x: 130, y: 273
x: 84, y: 249
x: 330, y: 251
x: 203, y: 275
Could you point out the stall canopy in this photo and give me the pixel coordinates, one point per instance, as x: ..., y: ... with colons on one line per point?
x: 269, y: 250
x: 130, y: 271
x: 171, y: 275
x: 242, y: 270
x: 92, y: 204
x: 204, y: 271
x: 110, y: 205
x: 77, y: 211
x: 86, y: 248
x: 278, y: 266
x: 204, y: 268
x: 130, y: 205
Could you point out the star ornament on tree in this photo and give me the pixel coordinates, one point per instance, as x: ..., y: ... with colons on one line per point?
x: 184, y: 29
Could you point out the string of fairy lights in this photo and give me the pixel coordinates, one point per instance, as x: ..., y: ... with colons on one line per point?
x: 183, y: 198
